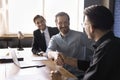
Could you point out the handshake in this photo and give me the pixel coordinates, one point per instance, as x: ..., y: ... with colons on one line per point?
x: 57, y: 57
x: 61, y: 60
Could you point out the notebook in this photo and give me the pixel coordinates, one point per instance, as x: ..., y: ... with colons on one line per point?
x: 23, y: 65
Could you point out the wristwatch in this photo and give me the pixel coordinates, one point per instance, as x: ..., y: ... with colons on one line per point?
x: 40, y: 54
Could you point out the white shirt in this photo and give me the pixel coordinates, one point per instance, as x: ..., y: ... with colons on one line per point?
x: 47, y: 36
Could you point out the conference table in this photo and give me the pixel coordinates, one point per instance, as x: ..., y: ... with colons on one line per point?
x: 9, y: 71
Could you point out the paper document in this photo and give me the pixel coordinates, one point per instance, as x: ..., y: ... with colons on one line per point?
x: 39, y: 58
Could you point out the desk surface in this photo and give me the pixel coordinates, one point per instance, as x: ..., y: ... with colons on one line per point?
x: 9, y: 71
x: 14, y: 35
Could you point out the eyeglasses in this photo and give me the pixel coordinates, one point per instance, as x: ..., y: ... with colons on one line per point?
x: 84, y: 24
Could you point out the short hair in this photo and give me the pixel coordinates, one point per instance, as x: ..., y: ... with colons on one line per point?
x: 38, y: 16
x: 100, y: 17
x: 62, y: 14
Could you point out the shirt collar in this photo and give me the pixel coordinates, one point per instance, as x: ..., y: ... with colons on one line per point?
x: 105, y: 37
x: 46, y: 29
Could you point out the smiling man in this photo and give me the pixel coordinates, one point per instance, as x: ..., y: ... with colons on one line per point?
x: 42, y: 35
x: 69, y: 43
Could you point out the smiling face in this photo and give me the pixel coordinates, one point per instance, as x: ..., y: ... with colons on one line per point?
x: 40, y: 23
x: 62, y: 22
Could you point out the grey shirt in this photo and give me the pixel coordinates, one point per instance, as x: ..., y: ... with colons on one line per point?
x: 74, y: 44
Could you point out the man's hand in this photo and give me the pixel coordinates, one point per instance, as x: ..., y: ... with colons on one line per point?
x: 59, y: 60
x: 56, y: 75
x: 57, y: 57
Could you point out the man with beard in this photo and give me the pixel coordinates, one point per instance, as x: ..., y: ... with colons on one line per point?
x: 69, y: 43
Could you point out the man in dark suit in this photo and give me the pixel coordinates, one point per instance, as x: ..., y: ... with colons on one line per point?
x: 42, y: 35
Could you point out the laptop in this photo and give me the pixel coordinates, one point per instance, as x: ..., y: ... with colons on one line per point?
x: 23, y: 64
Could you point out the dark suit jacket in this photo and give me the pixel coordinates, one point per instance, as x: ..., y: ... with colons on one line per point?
x: 37, y: 43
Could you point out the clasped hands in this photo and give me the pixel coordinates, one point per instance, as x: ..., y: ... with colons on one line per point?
x: 59, y: 58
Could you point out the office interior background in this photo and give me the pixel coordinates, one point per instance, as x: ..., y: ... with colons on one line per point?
x: 17, y: 15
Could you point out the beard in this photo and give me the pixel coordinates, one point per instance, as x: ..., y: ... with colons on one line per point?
x: 64, y: 30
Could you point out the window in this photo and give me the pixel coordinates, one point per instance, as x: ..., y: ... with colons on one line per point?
x: 117, y: 18
x: 22, y: 12
x: 74, y: 8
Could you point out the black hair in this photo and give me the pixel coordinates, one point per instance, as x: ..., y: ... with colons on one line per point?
x: 100, y: 17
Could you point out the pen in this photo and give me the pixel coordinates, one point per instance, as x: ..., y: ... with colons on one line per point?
x: 40, y: 66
